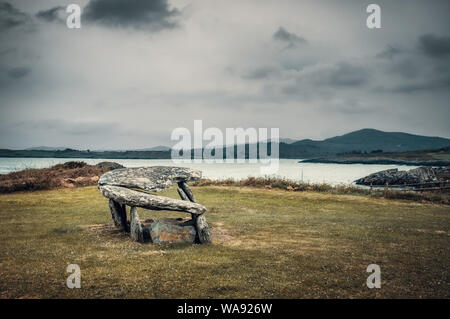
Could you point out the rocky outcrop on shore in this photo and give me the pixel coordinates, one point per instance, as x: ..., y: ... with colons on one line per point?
x: 109, y: 166
x: 413, y: 176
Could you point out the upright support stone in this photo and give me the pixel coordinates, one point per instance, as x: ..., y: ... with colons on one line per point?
x: 119, y: 215
x: 187, y: 191
x: 182, y: 194
x: 135, y: 225
x: 131, y: 187
x: 203, y: 233
x: 200, y: 223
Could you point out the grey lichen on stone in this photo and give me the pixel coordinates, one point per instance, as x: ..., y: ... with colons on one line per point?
x: 187, y: 191
x: 154, y: 179
x: 109, y: 166
x: 182, y: 194
x: 203, y: 232
x: 131, y: 186
x: 170, y: 230
x: 118, y: 214
x: 135, y: 226
x: 200, y: 223
x: 136, y: 198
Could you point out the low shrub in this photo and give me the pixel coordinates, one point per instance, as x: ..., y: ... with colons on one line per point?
x: 70, y: 174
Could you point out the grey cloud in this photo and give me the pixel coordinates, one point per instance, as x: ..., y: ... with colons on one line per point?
x: 436, y: 84
x: 415, y: 79
x: 154, y: 15
x: 290, y: 38
x: 69, y: 133
x: 417, y: 72
x: 216, y: 66
x: 407, y: 68
x: 258, y: 73
x: 348, y: 106
x: 434, y: 46
x: 75, y: 128
x: 322, y: 82
x: 342, y: 74
x: 7, y: 52
x: 10, y: 17
x: 51, y: 15
x: 19, y: 72
x: 389, y: 53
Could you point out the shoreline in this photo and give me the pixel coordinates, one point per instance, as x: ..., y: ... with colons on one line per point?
x: 376, y: 161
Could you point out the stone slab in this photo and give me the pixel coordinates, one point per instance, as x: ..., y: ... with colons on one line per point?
x: 153, y: 179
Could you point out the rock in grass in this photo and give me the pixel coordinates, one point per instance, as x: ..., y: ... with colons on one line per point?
x: 171, y: 230
x: 109, y: 166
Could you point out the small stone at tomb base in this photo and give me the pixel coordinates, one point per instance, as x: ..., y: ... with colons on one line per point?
x: 170, y: 230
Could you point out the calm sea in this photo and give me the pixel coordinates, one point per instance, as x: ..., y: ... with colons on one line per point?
x: 288, y: 168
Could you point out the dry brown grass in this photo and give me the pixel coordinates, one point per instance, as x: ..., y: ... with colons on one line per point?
x: 267, y: 243
x: 70, y: 174
x: 442, y: 197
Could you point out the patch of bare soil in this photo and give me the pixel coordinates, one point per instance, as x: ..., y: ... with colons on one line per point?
x: 220, y: 234
x: 105, y: 231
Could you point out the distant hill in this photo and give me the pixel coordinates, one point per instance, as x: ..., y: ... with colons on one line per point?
x: 357, y: 142
x: 365, y: 140
x: 435, y: 157
x: 160, y: 148
x: 370, y: 139
x: 45, y: 148
x: 287, y: 140
x: 71, y: 153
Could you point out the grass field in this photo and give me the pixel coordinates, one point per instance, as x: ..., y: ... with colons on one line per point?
x: 267, y: 244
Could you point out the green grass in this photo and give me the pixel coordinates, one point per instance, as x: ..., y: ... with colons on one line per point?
x: 440, y: 197
x: 444, y: 157
x: 267, y: 244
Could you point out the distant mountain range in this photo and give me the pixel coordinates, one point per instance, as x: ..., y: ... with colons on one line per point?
x: 49, y: 148
x: 160, y: 148
x: 361, y: 141
x: 45, y: 148
x: 365, y: 140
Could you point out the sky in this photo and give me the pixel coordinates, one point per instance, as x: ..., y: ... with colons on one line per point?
x: 137, y: 69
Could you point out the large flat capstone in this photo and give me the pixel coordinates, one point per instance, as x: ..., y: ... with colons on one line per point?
x: 153, y: 179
